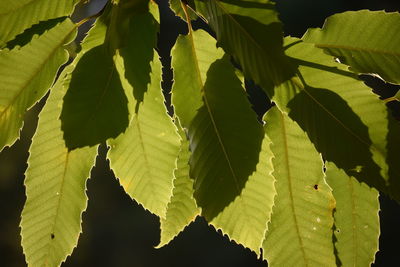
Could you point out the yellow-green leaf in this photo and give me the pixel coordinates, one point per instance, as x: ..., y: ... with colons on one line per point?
x: 300, y: 232
x: 342, y: 117
x: 27, y: 73
x: 55, y: 188
x: 366, y: 40
x: 16, y: 16
x: 356, y: 218
x: 144, y: 157
x: 182, y: 209
x: 192, y: 56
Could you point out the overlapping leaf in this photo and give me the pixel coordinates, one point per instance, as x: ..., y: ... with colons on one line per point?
x: 177, y: 7
x: 55, y: 187
x: 182, y: 209
x: 250, y: 31
x: 27, y: 73
x: 192, y: 56
x: 356, y: 218
x: 56, y: 179
x: 16, y: 16
x: 341, y: 116
x: 224, y: 151
x: 245, y: 219
x: 232, y: 185
x: 144, y: 157
x: 138, y: 53
x: 120, y: 17
x: 366, y: 40
x: 300, y: 232
x: 95, y: 106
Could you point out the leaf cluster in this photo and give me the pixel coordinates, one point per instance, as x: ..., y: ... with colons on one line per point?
x: 299, y: 187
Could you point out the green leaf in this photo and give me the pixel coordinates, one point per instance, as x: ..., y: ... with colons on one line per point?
x: 341, y: 116
x: 55, y: 188
x: 138, y: 53
x: 95, y: 106
x: 192, y: 56
x: 250, y: 31
x: 154, y: 10
x: 176, y: 6
x: 245, y: 220
x: 225, y: 140
x: 37, y: 29
x: 120, y: 15
x: 356, y: 218
x: 366, y: 40
x: 26, y: 75
x: 397, y: 96
x: 16, y: 16
x: 300, y: 232
x: 144, y: 157
x: 182, y: 209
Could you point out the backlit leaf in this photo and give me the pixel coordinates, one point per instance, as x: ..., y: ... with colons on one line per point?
x: 300, y: 232
x: 55, y: 188
x: 144, y: 157
x: 250, y: 31
x: 182, y: 209
x: 16, y: 16
x: 27, y: 73
x: 192, y: 56
x: 95, y: 106
x: 245, y: 220
x: 342, y: 117
x: 225, y: 139
x: 356, y: 218
x: 366, y: 40
x: 176, y: 6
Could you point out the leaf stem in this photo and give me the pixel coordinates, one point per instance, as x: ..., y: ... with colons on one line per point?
x: 184, y: 7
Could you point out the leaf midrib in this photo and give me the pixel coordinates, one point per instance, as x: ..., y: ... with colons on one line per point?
x: 201, y: 85
x: 289, y: 178
x: 60, y: 195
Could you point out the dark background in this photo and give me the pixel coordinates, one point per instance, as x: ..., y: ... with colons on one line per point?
x: 116, y: 231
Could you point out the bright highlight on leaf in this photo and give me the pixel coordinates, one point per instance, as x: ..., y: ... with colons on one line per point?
x: 16, y: 16
x: 300, y: 232
x: 27, y: 73
x: 356, y: 218
x: 371, y: 47
x: 55, y: 188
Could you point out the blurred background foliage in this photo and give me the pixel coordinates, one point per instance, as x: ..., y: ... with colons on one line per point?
x: 118, y: 232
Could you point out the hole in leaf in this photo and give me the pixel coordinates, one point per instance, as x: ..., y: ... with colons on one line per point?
x: 316, y: 187
x: 52, y: 236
